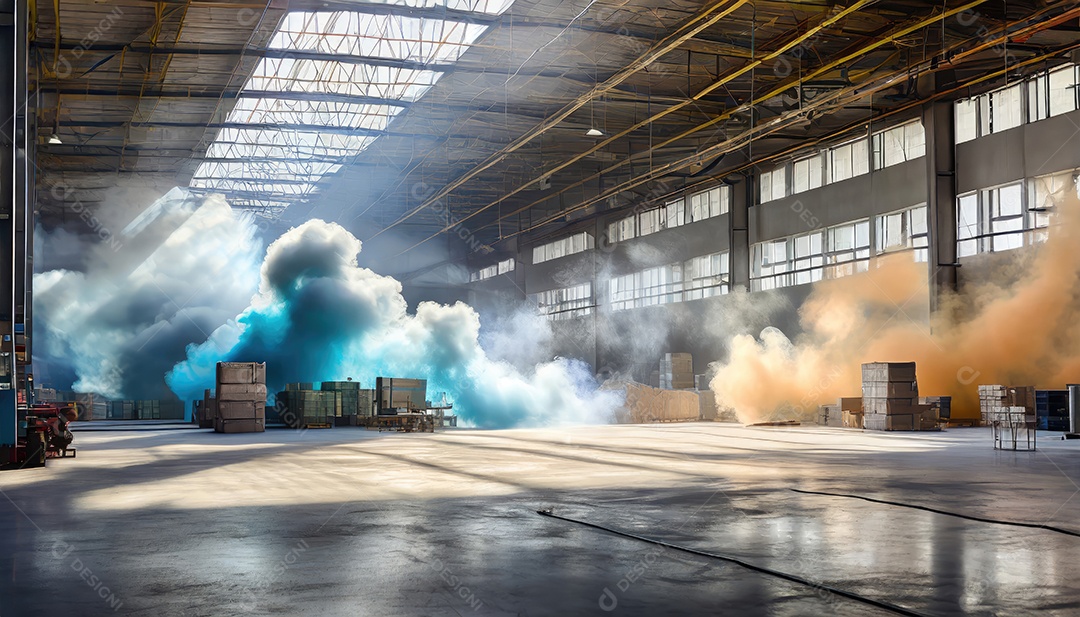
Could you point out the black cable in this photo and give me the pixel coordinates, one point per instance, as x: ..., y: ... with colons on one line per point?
x: 946, y: 513
x: 789, y: 577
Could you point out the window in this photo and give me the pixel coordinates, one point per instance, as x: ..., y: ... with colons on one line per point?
x: 660, y: 285
x: 1006, y: 217
x: 1045, y: 193
x: 967, y: 225
x: 773, y: 184
x: 899, y: 144
x: 999, y: 110
x: 710, y: 203
x: 1053, y: 93
x: 507, y: 265
x: 706, y: 276
x: 809, y: 259
x: 847, y: 249
x: 967, y: 120
x: 996, y: 219
x: 903, y: 230
x: 558, y: 304
x: 648, y: 222
x: 560, y: 248
x: 771, y: 265
x: 624, y: 229
x: 807, y: 174
x: 849, y: 160
x: 673, y: 214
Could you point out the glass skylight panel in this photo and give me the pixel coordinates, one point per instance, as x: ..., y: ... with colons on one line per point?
x: 265, y: 170
x: 282, y: 152
x: 315, y: 113
x: 381, y: 36
x: 345, y: 78
x: 295, y: 189
x: 270, y: 143
x: 488, y: 7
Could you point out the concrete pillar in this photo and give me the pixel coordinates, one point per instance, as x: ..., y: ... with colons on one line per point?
x: 9, y: 25
x: 743, y: 194
x: 939, y: 125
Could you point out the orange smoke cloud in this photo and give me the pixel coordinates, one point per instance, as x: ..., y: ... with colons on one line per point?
x: 1016, y: 321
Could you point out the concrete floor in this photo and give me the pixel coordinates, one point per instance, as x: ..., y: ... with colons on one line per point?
x: 353, y: 522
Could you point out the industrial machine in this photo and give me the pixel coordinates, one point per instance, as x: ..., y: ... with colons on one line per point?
x: 42, y: 434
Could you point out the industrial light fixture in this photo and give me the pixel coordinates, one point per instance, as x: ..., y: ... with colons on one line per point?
x: 53, y: 139
x: 594, y: 132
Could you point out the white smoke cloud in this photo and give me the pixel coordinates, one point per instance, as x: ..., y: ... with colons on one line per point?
x: 126, y: 318
x: 319, y: 316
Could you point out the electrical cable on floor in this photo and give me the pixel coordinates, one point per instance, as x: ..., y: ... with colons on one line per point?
x: 784, y: 575
x: 946, y: 513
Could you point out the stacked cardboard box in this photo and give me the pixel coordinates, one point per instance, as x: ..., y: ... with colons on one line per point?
x: 890, y: 398
x: 707, y: 402
x: 241, y: 397
x: 994, y: 398
x: 830, y: 415
x: 207, y: 411
x: 643, y: 404
x: 677, y: 371
x: 302, y: 408
x: 851, y: 412
x: 355, y: 401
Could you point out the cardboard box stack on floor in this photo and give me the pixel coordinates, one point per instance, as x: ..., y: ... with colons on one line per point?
x: 306, y: 407
x: 207, y: 411
x: 830, y: 415
x: 677, y: 371
x: 890, y: 398
x: 993, y: 399
x: 851, y: 412
x: 356, y: 402
x: 644, y: 404
x: 241, y: 397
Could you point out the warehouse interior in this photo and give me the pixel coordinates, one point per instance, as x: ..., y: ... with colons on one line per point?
x: 449, y: 307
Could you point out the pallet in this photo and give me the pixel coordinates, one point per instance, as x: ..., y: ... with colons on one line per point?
x: 316, y: 425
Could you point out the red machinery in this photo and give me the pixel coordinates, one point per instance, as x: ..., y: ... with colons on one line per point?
x: 42, y: 435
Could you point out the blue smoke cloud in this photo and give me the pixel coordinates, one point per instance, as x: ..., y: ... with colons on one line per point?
x: 318, y: 316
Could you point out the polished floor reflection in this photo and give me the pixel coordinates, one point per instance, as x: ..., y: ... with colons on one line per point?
x: 352, y: 522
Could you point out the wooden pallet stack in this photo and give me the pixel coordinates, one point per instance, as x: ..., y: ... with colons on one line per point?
x: 891, y: 398
x: 241, y: 397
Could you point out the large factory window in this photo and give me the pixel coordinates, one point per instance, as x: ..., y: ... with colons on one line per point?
x: 773, y: 184
x: 899, y: 144
x: 807, y: 174
x: 674, y: 213
x: 659, y: 285
x: 507, y: 265
x: 967, y: 120
x: 903, y: 230
x: 623, y: 229
x: 1000, y: 110
x: 809, y: 257
x: 770, y: 265
x: 1053, y: 93
x: 560, y: 248
x: 648, y: 222
x: 849, y: 160
x: 706, y: 276
x: 1045, y: 193
x: 994, y: 220
x: 710, y: 203
x: 558, y: 304
x: 848, y: 249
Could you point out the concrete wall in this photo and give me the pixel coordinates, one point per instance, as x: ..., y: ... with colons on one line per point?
x: 634, y: 340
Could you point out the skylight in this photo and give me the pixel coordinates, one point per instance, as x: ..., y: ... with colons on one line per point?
x: 299, y: 119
